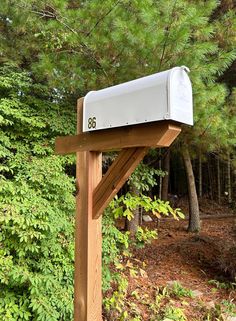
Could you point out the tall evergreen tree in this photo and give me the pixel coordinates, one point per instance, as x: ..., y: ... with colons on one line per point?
x: 68, y: 48
x: 83, y: 46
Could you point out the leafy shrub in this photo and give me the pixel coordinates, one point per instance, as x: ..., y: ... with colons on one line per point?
x: 36, y: 204
x: 144, y: 177
x: 174, y: 313
x: 144, y: 236
x: 179, y: 291
x: 114, y: 242
x: 126, y: 204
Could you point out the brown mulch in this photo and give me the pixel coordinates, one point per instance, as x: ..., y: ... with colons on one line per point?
x: 193, y: 260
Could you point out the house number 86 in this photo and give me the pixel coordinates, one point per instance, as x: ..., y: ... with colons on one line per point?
x: 92, y: 122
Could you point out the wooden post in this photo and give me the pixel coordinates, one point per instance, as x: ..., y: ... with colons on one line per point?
x: 88, y: 236
x: 95, y: 193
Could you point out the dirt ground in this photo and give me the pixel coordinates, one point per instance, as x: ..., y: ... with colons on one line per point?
x: 192, y: 260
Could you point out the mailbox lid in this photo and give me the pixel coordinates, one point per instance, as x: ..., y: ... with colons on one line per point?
x: 134, y: 102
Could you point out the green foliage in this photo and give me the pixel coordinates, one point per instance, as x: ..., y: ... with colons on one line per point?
x: 229, y: 307
x: 165, y: 305
x: 67, y: 45
x: 116, y: 246
x: 126, y: 204
x: 164, y: 308
x: 222, y: 310
x: 174, y: 313
x: 119, y: 306
x: 144, y: 177
x: 144, y: 236
x: 36, y: 205
x: 114, y: 243
x: 179, y: 291
x: 223, y: 285
x: 160, y: 308
x: 117, y: 303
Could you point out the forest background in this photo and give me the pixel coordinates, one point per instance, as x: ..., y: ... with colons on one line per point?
x: 53, y: 52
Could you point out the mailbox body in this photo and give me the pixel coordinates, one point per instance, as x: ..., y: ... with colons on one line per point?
x: 163, y: 96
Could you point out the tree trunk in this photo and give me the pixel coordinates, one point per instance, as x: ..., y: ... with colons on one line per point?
x: 234, y: 189
x: 133, y: 224
x: 165, y: 181
x: 210, y: 177
x: 194, y: 218
x: 229, y: 190
x: 160, y: 180
x: 218, y: 180
x: 200, y: 174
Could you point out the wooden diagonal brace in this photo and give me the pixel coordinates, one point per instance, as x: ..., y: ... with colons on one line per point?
x: 115, y: 177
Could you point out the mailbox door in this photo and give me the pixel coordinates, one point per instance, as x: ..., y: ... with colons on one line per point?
x: 180, y: 99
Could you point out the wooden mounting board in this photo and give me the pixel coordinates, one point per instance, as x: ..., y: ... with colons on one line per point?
x: 158, y: 134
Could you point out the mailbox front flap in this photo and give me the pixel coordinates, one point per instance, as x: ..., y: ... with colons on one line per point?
x: 180, y: 97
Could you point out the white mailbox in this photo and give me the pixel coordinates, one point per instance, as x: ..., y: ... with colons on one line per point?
x: 162, y: 96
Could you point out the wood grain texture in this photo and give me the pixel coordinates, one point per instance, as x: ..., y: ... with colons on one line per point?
x: 88, y: 237
x: 118, y: 173
x: 96, y: 192
x: 157, y: 134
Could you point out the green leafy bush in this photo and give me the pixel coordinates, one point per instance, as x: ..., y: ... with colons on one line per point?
x: 179, y: 291
x: 126, y: 204
x: 174, y: 313
x: 114, y: 242
x: 144, y: 177
x: 144, y: 236
x: 36, y: 204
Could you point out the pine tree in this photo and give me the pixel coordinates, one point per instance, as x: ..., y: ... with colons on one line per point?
x: 69, y: 48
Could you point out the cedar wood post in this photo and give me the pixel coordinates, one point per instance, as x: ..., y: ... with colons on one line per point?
x: 88, y: 236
